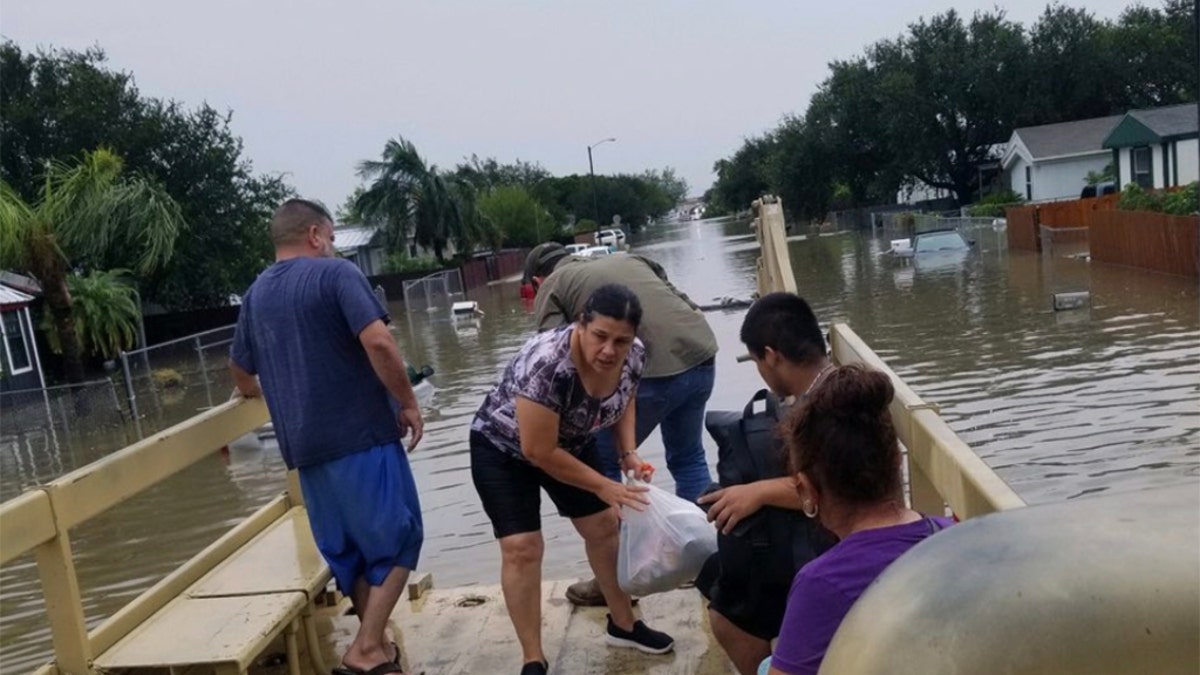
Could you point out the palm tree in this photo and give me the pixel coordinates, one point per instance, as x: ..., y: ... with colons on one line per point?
x: 85, y: 212
x: 409, y: 197
x: 476, y: 228
x: 106, y: 315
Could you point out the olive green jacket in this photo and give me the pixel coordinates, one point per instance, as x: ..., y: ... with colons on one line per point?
x: 676, y: 335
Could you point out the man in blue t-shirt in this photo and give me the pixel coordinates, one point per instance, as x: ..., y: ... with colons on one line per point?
x: 316, y: 337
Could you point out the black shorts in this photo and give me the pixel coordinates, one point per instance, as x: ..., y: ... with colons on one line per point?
x: 747, y: 601
x: 509, y: 489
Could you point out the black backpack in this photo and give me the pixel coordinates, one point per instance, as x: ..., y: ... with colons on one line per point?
x: 770, y: 546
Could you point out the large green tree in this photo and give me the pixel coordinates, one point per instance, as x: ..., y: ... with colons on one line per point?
x: 1155, y: 62
x: 84, y: 213
x: 57, y: 104
x: 522, y: 220
x: 672, y: 187
x: 744, y: 176
x: 1071, y: 62
x: 931, y: 104
x: 489, y: 173
x: 799, y: 168
x: 956, y: 88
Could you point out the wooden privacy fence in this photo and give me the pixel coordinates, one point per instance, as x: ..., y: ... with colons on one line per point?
x: 510, y: 262
x: 1076, y: 212
x: 1146, y: 240
x: 479, y: 271
x: 1024, y: 221
x: 1022, y: 227
x: 474, y: 273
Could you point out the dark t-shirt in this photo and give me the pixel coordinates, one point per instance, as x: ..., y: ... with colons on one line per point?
x: 544, y: 373
x: 298, y: 331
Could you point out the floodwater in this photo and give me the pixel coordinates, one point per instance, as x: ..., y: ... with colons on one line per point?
x: 1061, y: 405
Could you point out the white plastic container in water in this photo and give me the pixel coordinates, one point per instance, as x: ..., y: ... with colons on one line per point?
x: 901, y: 246
x: 465, y: 309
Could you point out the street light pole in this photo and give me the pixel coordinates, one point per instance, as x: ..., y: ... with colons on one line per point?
x: 592, y: 173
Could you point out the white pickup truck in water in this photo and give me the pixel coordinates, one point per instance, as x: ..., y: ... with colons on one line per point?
x: 614, y: 239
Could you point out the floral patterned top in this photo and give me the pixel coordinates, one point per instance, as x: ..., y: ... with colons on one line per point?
x: 544, y: 373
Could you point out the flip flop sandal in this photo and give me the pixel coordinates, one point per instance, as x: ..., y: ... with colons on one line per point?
x: 381, y: 669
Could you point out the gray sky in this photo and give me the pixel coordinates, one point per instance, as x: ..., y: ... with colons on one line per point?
x: 317, y: 86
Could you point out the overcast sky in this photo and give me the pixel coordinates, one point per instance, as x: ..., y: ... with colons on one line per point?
x: 317, y: 86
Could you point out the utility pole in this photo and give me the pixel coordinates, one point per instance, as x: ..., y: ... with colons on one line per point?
x: 592, y: 174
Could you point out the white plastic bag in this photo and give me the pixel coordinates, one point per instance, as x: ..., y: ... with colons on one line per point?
x: 663, y: 546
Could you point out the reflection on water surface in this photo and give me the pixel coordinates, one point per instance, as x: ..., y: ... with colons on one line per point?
x: 1061, y: 405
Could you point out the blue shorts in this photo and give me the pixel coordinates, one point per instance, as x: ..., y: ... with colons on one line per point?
x: 365, y: 514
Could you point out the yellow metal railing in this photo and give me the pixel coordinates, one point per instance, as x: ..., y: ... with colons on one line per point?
x: 942, y: 469
x: 774, y: 266
x: 40, y: 520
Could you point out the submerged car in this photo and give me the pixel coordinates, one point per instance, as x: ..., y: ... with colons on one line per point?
x: 593, y: 251
x: 933, y: 241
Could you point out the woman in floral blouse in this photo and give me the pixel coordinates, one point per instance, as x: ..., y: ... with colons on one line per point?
x: 535, y: 431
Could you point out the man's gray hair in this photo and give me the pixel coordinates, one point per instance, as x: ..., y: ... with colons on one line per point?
x: 291, y: 220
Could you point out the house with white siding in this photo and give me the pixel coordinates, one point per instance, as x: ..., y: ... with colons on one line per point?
x: 1156, y: 148
x: 362, y: 245
x: 1051, y: 161
x: 20, y: 364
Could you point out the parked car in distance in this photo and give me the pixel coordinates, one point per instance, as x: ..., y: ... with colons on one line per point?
x: 576, y: 249
x: 612, y: 238
x: 593, y: 251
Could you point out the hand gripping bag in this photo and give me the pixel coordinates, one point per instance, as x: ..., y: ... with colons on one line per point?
x: 663, y: 546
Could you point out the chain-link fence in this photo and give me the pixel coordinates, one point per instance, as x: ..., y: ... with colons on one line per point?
x: 69, y: 410
x: 47, y: 432
x: 167, y: 383
x: 894, y: 224
x: 1064, y: 242
x: 988, y: 234
x: 434, y: 290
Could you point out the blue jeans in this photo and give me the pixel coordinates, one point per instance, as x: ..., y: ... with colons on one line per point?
x: 677, y: 403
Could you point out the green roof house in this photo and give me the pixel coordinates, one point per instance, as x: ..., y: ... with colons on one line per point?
x: 1157, y: 148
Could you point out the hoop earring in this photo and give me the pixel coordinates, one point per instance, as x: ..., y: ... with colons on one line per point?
x: 809, y: 509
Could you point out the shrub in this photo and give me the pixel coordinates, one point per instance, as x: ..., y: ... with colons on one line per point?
x: 166, y: 378
x: 1181, y: 202
x: 397, y: 263
x: 586, y: 225
x: 1136, y: 198
x: 992, y: 206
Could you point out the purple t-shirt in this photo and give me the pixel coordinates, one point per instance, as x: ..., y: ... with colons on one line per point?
x: 298, y: 331
x: 544, y: 373
x: 825, y: 589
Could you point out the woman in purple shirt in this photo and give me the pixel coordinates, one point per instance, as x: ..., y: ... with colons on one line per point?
x: 846, y: 458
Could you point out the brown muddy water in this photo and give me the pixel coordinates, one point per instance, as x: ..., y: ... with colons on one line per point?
x: 1059, y: 404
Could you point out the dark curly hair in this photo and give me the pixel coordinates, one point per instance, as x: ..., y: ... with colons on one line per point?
x: 843, y: 438
x: 614, y: 301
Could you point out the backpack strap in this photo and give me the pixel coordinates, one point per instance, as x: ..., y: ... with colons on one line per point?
x: 771, y: 401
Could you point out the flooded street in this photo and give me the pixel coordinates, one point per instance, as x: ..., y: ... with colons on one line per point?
x: 1059, y: 404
